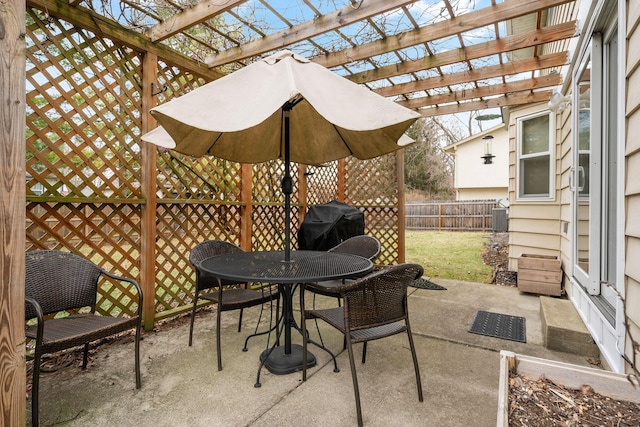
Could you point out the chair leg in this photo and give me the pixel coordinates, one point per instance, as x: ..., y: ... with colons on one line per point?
x: 85, y: 356
x: 193, y: 317
x: 137, y: 355
x: 354, y: 377
x: 364, y: 352
x: 415, y: 363
x: 303, y: 324
x: 218, y: 345
x: 316, y: 321
x: 35, y: 389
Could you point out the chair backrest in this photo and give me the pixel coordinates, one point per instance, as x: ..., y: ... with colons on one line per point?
x: 205, y: 250
x: 60, y: 281
x: 363, y: 245
x: 379, y: 298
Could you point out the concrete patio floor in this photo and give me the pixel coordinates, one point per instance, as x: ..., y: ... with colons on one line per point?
x: 182, y: 387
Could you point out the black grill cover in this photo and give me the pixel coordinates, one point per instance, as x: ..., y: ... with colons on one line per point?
x: 329, y: 224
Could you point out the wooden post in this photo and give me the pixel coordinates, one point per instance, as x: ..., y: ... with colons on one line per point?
x: 12, y: 212
x: 149, y: 209
x: 246, y: 212
x: 342, y: 180
x: 401, y: 206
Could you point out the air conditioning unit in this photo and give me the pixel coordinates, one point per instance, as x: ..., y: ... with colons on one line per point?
x: 500, y: 220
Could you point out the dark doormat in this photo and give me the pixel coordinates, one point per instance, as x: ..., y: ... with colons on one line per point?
x: 427, y: 284
x: 500, y: 326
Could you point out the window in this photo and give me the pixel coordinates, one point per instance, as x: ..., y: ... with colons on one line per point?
x: 535, y: 163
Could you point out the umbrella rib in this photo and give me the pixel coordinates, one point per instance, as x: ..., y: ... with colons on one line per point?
x: 343, y: 139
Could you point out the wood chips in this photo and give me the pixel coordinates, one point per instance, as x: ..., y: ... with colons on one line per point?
x: 544, y: 403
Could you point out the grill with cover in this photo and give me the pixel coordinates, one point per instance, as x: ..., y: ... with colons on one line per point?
x: 328, y: 224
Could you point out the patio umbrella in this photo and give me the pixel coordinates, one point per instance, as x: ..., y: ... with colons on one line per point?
x: 281, y: 107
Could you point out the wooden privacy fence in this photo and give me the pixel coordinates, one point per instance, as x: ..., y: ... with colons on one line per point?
x: 463, y: 215
x: 94, y: 189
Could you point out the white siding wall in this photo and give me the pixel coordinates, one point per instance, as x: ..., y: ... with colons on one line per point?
x: 534, y: 226
x: 632, y: 179
x: 473, y: 179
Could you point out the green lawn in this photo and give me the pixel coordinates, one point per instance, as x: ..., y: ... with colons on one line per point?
x: 449, y: 255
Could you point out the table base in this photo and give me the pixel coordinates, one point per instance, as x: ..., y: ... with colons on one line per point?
x: 280, y: 363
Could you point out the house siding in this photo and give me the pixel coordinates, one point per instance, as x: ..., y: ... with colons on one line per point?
x: 632, y: 177
x: 564, y: 136
x: 534, y: 226
x: 474, y: 180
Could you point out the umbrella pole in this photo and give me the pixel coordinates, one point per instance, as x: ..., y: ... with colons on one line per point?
x: 287, y: 188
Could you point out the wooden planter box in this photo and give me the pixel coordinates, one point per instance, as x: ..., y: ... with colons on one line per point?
x: 540, y: 274
x: 606, y: 383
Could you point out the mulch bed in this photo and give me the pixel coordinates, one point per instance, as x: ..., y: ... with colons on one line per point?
x: 496, y: 254
x: 544, y: 403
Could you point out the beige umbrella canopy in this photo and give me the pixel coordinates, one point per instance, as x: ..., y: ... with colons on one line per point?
x: 281, y: 107
x: 239, y: 117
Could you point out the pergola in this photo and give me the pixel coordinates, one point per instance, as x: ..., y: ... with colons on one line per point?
x: 437, y: 57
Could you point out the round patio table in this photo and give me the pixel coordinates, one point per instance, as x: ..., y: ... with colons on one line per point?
x: 271, y: 267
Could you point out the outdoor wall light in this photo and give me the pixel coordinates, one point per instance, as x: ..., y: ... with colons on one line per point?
x: 558, y: 102
x: 487, y: 150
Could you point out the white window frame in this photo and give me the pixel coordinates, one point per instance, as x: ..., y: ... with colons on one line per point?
x: 602, y: 16
x: 550, y: 152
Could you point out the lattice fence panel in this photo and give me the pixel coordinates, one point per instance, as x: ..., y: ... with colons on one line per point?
x: 107, y: 234
x: 268, y: 211
x: 173, y: 82
x: 207, y: 186
x: 82, y: 159
x: 322, y: 183
x: 83, y: 112
x: 371, y: 185
x: 206, y: 178
x: 179, y: 228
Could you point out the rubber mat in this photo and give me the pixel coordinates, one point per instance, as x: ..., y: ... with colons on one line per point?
x: 498, y: 325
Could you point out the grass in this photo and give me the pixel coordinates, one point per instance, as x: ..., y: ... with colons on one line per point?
x: 449, y: 255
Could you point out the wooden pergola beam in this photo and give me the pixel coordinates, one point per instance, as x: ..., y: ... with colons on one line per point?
x: 457, y: 25
x: 499, y: 70
x: 480, y: 50
x: 322, y: 24
x: 503, y: 101
x: 484, y: 91
x: 194, y: 15
x: 84, y: 18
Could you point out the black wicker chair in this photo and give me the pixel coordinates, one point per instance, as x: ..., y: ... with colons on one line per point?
x: 61, y: 281
x: 362, y: 245
x: 375, y: 307
x: 228, y: 295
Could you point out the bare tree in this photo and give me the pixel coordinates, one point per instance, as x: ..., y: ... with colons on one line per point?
x: 428, y: 169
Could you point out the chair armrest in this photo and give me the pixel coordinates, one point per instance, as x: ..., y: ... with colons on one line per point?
x: 352, y: 285
x: 131, y: 281
x: 39, y: 317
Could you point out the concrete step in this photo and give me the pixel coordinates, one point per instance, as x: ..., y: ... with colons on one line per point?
x: 563, y: 329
